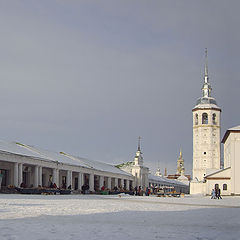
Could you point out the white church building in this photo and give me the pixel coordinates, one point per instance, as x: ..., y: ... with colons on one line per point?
x: 207, y: 173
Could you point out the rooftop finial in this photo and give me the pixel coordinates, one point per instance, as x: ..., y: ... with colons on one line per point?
x: 180, y: 155
x: 139, y: 145
x: 206, y: 67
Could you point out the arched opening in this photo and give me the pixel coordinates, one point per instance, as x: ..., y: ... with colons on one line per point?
x: 196, y: 119
x: 214, y: 119
x: 216, y: 186
x: 204, y: 118
x: 224, y: 186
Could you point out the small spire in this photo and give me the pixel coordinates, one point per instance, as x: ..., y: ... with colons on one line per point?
x: 180, y: 155
x: 139, y: 145
x: 165, y: 172
x: 206, y: 89
x: 206, y: 67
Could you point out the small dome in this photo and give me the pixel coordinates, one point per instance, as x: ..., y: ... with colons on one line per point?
x: 206, y: 100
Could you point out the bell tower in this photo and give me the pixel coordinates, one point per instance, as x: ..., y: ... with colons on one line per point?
x: 206, y: 131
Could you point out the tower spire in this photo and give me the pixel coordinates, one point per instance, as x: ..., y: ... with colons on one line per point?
x: 139, y: 145
x: 180, y: 155
x: 206, y: 89
x: 206, y: 68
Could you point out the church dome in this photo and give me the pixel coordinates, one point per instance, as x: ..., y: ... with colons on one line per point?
x: 206, y: 100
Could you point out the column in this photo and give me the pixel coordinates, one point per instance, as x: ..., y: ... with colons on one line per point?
x: 69, y: 178
x: 109, y: 183
x: 101, y: 181
x: 56, y: 176
x: 35, y: 176
x: 91, y: 182
x: 20, y: 174
x: 40, y: 176
x: 122, y: 183
x: 15, y: 175
x: 127, y: 185
x: 80, y: 181
x: 116, y: 182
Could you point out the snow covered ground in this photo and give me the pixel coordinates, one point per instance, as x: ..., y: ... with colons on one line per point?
x: 113, y: 217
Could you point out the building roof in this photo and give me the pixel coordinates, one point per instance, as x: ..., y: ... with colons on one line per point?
x: 217, y: 171
x: 164, y: 180
x: 233, y: 129
x: 30, y: 151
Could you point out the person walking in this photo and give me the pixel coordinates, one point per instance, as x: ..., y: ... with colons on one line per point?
x: 219, y: 194
x: 213, y: 194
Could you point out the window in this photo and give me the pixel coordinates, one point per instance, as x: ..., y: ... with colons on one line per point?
x: 196, y: 119
x: 204, y: 153
x: 224, y: 186
x: 216, y: 186
x: 214, y: 119
x: 204, y: 118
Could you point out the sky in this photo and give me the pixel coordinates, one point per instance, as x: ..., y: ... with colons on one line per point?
x: 89, y: 77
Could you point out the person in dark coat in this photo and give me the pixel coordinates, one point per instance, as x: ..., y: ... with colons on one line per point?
x: 219, y: 194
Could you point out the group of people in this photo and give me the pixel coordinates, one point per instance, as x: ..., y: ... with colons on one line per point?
x: 216, y: 193
x: 138, y: 191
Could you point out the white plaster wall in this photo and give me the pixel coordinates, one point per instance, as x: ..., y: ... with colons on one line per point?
x: 197, y: 188
x: 233, y: 152
x: 211, y: 185
x: 206, y: 144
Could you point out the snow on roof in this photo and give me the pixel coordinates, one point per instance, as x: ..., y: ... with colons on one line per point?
x: 100, y: 165
x: 217, y: 171
x: 237, y: 128
x: 17, y: 148
x: 29, y: 151
x: 164, y: 180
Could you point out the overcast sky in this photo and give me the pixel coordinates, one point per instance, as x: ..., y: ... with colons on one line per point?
x: 89, y: 77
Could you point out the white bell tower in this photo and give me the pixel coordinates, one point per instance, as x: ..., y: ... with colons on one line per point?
x: 206, y: 132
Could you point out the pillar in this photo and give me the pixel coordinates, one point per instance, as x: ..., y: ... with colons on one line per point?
x: 69, y: 178
x: 122, y: 183
x: 116, y: 182
x: 91, y: 182
x: 109, y: 183
x: 127, y: 185
x: 35, y: 176
x: 56, y: 176
x: 40, y: 176
x: 80, y: 181
x: 20, y: 174
x: 15, y: 175
x: 101, y: 181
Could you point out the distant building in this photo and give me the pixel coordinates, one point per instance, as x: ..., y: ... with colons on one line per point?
x: 144, y: 179
x: 180, y: 174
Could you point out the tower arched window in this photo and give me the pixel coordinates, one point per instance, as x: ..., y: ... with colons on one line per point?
x: 214, y: 119
x: 204, y: 118
x: 224, y: 186
x: 196, y: 119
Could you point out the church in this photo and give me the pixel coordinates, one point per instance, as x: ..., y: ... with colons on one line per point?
x: 208, y: 172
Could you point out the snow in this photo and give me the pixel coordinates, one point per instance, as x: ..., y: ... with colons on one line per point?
x: 117, y: 217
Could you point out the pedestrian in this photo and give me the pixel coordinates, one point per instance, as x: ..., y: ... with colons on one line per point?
x: 146, y: 192
x: 216, y: 193
x: 213, y: 194
x: 135, y: 191
x: 219, y: 194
